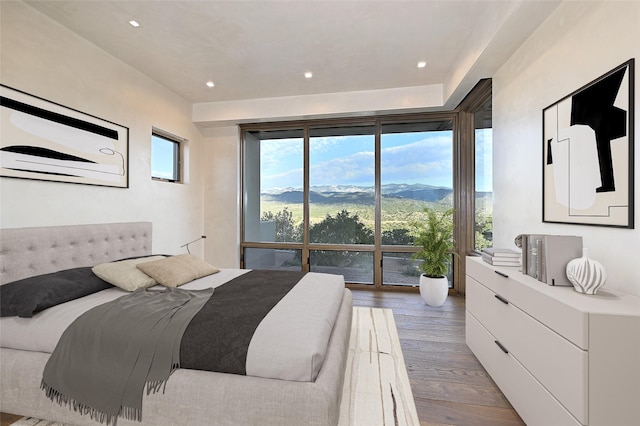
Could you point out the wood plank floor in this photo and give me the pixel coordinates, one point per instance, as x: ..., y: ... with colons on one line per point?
x: 449, y: 384
x: 7, y: 419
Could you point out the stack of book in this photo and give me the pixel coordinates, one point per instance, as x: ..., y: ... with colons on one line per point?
x: 501, y: 257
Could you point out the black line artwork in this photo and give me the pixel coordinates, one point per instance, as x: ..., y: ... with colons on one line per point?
x: 47, y: 141
x: 588, y: 153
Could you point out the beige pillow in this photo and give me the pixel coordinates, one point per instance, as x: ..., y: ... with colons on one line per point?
x: 177, y: 270
x: 124, y: 274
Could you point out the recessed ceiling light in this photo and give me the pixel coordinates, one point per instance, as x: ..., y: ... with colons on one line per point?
x: 210, y: 84
x: 134, y: 24
x: 422, y: 64
x: 308, y: 75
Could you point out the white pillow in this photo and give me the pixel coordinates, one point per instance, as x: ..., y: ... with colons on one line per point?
x: 124, y: 274
x: 175, y: 271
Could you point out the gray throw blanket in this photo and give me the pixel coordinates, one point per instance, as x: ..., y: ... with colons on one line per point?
x: 126, y: 344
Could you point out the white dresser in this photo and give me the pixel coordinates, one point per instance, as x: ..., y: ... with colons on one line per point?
x: 560, y: 357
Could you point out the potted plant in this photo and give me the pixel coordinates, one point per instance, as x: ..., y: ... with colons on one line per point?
x: 435, y: 236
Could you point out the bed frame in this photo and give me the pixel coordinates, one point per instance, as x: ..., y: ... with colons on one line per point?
x: 191, y: 396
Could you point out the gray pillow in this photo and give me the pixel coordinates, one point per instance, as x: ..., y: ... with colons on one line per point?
x: 31, y: 295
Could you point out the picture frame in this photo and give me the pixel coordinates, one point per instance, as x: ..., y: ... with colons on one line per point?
x: 588, y: 151
x: 46, y: 141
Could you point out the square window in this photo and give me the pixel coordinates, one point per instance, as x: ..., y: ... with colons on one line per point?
x: 165, y: 158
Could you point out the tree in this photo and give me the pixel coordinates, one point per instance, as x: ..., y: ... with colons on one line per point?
x: 397, y: 237
x: 341, y: 229
x: 483, y: 230
x: 286, y: 231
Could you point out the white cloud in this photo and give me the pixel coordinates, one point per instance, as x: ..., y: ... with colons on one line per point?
x: 428, y: 161
x: 324, y: 144
x: 355, y: 169
x: 276, y: 152
x: 290, y: 178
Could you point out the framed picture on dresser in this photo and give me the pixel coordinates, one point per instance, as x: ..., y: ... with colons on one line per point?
x: 588, y: 138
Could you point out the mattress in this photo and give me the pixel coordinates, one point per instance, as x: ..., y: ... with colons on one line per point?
x: 289, y: 344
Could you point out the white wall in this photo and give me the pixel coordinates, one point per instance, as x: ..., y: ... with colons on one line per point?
x: 43, y: 58
x: 579, y: 42
x: 222, y: 200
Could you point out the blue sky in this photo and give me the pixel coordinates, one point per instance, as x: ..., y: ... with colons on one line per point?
x: 419, y: 157
x: 161, y: 158
x: 484, y: 160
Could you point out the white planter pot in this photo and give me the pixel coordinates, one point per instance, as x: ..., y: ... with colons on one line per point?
x: 434, y: 291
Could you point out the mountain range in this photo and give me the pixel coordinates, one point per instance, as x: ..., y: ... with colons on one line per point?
x: 357, y: 194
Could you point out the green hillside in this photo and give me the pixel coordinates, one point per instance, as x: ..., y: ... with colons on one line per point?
x: 397, y: 213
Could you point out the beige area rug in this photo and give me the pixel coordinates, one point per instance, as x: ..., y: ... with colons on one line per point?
x: 376, y: 386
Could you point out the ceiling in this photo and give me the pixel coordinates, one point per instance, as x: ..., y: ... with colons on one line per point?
x: 261, y: 49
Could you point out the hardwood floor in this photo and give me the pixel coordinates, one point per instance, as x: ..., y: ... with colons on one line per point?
x: 449, y: 384
x: 7, y: 419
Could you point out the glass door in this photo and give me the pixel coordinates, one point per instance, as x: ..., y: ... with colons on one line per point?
x: 342, y: 201
x: 416, y: 172
x: 273, y: 199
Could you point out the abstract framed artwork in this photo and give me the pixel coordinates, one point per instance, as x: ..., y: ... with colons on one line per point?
x: 588, y: 137
x: 43, y: 140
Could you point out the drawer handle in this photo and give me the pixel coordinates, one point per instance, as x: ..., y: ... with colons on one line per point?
x: 502, y: 274
x: 502, y: 299
x: 501, y: 347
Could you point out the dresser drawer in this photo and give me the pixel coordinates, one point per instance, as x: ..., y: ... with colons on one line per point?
x: 560, y: 366
x: 497, y: 279
x: 491, y: 311
x: 552, y: 306
x: 531, y: 400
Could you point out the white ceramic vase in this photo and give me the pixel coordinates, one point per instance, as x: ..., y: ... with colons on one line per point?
x: 434, y: 291
x: 586, y: 275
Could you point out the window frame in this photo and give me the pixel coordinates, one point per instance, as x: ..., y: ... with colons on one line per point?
x: 177, y: 162
x: 465, y: 232
x: 377, y: 248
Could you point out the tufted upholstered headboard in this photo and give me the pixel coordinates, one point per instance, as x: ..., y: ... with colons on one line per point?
x: 26, y: 252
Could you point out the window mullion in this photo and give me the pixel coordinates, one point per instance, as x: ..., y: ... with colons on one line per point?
x: 377, y: 256
x: 305, y: 207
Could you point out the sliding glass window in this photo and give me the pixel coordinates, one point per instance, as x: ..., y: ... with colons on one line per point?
x: 342, y: 200
x: 483, y: 136
x: 273, y: 197
x: 343, y: 196
x: 416, y: 172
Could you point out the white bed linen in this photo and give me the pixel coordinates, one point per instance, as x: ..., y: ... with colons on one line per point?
x: 42, y: 332
x: 283, y: 347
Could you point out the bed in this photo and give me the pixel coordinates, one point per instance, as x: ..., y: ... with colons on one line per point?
x: 190, y: 396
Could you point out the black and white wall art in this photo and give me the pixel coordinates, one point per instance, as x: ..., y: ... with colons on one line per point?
x: 588, y: 165
x: 43, y: 140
